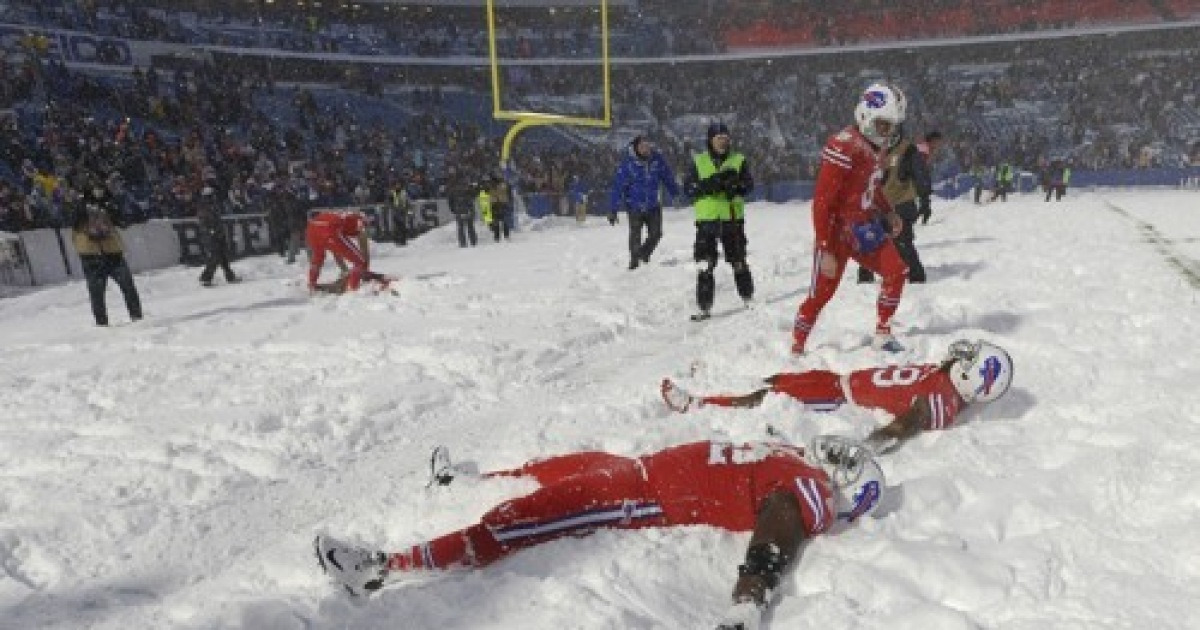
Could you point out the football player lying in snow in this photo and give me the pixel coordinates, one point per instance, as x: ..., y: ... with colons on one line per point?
x: 783, y: 493
x: 919, y: 397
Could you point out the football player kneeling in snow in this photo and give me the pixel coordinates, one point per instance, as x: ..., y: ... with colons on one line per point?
x: 919, y: 397
x: 784, y: 494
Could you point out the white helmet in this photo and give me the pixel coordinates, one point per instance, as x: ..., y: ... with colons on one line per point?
x: 982, y: 372
x: 858, y: 481
x: 880, y: 102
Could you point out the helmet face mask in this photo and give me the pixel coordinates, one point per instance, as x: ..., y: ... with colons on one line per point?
x: 982, y: 372
x: 857, y: 479
x: 880, y: 111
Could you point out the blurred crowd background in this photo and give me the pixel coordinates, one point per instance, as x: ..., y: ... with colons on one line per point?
x: 341, y: 103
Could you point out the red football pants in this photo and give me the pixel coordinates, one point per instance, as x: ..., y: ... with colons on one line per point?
x: 815, y: 388
x: 579, y: 493
x: 819, y: 389
x: 322, y: 241
x: 884, y: 261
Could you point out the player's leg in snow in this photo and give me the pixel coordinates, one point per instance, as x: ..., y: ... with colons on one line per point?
x: 359, y: 570
x: 894, y: 273
x: 800, y: 332
x: 676, y: 398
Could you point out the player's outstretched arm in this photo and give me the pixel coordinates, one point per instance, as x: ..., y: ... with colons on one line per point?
x: 774, y: 546
x: 745, y: 401
x: 889, y: 437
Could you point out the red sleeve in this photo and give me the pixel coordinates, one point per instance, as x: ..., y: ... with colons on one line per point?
x: 809, y: 485
x: 944, y: 402
x: 836, y: 165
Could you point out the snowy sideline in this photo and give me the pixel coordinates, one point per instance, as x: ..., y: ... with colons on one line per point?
x: 172, y: 473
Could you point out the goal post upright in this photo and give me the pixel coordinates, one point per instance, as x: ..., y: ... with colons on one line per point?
x: 524, y: 119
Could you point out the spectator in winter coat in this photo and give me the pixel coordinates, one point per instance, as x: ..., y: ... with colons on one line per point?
x: 297, y: 204
x: 101, y: 251
x: 500, y: 194
x: 636, y: 188
x: 213, y: 237
x: 461, y: 195
x: 1058, y: 176
x: 929, y: 150
x: 905, y: 181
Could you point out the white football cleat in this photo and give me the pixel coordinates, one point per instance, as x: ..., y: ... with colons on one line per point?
x: 676, y: 398
x: 886, y: 342
x: 360, y: 571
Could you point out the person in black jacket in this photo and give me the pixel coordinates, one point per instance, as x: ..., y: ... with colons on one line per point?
x: 460, y: 192
x: 212, y: 236
x: 905, y: 180
x: 297, y: 205
x: 718, y: 183
x: 101, y: 250
x: 929, y: 150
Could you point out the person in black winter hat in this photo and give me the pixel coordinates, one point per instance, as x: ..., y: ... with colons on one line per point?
x: 213, y: 237
x: 718, y: 182
x: 94, y: 232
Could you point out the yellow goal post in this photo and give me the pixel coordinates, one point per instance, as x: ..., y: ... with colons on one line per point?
x: 526, y: 119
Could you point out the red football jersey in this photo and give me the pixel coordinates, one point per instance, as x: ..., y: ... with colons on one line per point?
x: 350, y: 224
x: 848, y: 188
x: 894, y: 388
x: 723, y: 484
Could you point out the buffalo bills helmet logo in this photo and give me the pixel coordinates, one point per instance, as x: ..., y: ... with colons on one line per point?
x: 875, y: 99
x: 990, y: 371
x: 864, y: 501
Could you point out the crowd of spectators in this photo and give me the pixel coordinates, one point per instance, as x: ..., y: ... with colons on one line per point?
x: 645, y: 28
x: 254, y: 131
x: 758, y: 23
x: 368, y: 28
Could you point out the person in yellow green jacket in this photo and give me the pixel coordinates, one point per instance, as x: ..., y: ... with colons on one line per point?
x: 1004, y: 181
x: 483, y: 203
x: 718, y: 182
x: 500, y: 194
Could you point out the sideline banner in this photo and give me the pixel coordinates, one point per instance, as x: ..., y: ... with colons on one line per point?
x: 14, y: 266
x: 47, y: 256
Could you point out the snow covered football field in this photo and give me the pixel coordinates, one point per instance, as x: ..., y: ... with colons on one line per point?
x: 172, y: 473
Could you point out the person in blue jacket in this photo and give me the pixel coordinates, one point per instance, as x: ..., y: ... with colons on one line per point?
x: 642, y: 174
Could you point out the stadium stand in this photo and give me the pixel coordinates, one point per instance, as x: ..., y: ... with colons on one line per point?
x: 324, y: 125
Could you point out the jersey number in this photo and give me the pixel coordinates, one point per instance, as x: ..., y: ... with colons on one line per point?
x: 896, y: 376
x: 726, y: 454
x: 868, y: 196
